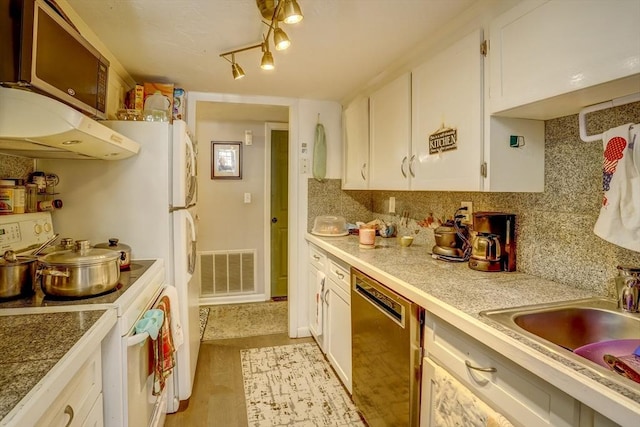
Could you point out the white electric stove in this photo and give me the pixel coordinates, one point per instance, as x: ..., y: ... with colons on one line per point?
x: 125, y: 354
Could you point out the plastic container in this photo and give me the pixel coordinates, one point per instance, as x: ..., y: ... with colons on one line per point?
x: 157, y: 108
x: 328, y: 225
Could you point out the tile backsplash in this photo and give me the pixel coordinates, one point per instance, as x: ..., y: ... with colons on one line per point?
x: 554, y: 228
x: 15, y: 167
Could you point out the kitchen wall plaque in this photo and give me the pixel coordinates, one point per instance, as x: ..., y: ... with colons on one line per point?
x: 444, y: 139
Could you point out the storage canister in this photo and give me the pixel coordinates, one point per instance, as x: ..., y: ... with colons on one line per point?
x: 6, y: 196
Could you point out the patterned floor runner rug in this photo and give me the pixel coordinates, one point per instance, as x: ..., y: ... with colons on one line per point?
x: 293, y: 385
x: 245, y: 320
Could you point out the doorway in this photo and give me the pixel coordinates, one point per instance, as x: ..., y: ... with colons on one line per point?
x: 278, y: 136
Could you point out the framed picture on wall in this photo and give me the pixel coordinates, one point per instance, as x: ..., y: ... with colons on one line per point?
x: 226, y: 160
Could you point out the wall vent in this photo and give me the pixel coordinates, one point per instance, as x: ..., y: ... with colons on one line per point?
x: 227, y: 272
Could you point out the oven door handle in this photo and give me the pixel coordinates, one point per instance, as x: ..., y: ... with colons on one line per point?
x: 137, y: 339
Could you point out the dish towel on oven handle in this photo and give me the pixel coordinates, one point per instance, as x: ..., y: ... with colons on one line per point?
x: 176, y: 325
x: 163, y: 348
x: 619, y: 220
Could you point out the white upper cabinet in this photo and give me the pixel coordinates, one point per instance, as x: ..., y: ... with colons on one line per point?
x: 356, y: 145
x: 447, y: 96
x: 390, y: 135
x: 551, y: 58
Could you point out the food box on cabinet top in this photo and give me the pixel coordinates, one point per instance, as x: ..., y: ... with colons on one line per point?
x: 166, y: 89
x: 135, y: 98
x: 179, y: 103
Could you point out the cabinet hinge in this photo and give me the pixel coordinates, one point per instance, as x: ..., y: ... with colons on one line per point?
x: 484, y: 47
x: 483, y: 169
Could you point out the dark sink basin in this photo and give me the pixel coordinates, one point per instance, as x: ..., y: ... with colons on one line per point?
x: 570, y: 324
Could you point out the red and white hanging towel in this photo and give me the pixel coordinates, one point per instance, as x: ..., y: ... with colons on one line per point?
x: 619, y: 220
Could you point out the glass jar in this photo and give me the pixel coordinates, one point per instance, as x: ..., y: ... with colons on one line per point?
x: 31, y: 198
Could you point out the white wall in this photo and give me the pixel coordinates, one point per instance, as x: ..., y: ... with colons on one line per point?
x: 226, y: 222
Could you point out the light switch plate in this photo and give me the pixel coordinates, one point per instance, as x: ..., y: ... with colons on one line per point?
x: 247, y: 197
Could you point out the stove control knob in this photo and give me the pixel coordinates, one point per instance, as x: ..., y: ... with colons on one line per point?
x: 37, y: 229
x: 47, y: 227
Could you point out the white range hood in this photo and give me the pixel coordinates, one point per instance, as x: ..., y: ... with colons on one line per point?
x: 36, y: 126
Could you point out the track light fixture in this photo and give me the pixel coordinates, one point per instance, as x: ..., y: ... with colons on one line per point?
x: 276, y: 11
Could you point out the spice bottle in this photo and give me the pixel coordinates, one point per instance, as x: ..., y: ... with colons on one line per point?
x: 31, y: 198
x: 19, y: 197
x: 49, y: 205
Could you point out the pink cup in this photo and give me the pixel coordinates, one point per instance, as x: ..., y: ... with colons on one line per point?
x: 368, y: 236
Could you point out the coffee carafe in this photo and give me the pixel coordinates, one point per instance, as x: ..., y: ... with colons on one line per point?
x: 493, y: 246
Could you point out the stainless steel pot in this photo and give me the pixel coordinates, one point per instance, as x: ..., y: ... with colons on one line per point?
x: 81, y: 272
x: 16, y: 276
x: 124, y: 250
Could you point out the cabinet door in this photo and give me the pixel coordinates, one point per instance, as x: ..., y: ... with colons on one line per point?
x: 316, y: 297
x: 390, y: 135
x: 446, y: 401
x: 447, y: 93
x: 355, y: 174
x: 339, y: 332
x: 541, y: 49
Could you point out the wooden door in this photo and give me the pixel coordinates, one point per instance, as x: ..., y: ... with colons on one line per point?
x: 279, y: 212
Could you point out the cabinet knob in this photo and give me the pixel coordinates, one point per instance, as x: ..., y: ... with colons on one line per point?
x: 274, y: 220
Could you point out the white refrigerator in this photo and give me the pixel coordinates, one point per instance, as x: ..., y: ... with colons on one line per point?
x: 149, y: 203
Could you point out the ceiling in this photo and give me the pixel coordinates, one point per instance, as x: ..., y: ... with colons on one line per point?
x: 339, y: 47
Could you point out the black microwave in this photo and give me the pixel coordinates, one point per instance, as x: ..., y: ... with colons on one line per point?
x: 41, y: 50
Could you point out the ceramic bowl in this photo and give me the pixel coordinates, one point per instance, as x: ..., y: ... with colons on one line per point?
x: 405, y: 241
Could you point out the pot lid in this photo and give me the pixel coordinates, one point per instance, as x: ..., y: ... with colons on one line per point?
x: 82, y: 254
x: 19, y: 261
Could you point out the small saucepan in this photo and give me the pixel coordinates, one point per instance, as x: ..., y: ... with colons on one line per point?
x: 16, y: 275
x: 124, y: 250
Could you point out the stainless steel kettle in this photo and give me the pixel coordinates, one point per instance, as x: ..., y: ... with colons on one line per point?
x: 486, y: 247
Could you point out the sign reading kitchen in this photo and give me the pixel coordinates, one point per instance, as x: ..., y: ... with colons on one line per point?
x: 444, y: 139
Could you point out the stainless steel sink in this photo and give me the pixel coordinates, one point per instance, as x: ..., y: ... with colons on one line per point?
x: 570, y: 324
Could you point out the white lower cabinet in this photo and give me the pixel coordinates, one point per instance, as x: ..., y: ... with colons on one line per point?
x: 80, y: 402
x: 339, y: 321
x: 317, y: 288
x: 519, y: 396
x: 329, y: 303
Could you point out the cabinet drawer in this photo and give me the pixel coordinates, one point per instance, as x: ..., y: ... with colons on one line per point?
x: 317, y: 257
x: 78, y: 398
x: 521, y: 396
x: 339, y: 273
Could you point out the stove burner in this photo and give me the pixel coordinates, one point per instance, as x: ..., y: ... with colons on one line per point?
x: 84, y: 297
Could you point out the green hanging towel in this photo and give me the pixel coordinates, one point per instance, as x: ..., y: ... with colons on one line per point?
x: 320, y: 154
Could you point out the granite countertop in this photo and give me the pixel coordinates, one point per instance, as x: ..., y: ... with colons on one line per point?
x: 458, y: 294
x: 41, y: 349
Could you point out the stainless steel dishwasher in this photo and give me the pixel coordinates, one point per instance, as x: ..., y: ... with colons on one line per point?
x: 386, y: 335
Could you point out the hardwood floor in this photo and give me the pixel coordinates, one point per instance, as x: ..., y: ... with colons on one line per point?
x: 218, y: 392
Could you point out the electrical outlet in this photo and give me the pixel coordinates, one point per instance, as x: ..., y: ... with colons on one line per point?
x: 468, y: 215
x: 392, y: 205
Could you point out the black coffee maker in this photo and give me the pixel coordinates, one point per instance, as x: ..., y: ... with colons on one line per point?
x: 493, y: 248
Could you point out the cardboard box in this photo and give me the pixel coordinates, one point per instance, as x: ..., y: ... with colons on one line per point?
x: 165, y: 89
x: 135, y: 98
x: 179, y: 104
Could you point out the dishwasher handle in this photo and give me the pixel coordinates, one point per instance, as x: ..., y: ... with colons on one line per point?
x: 380, y: 300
